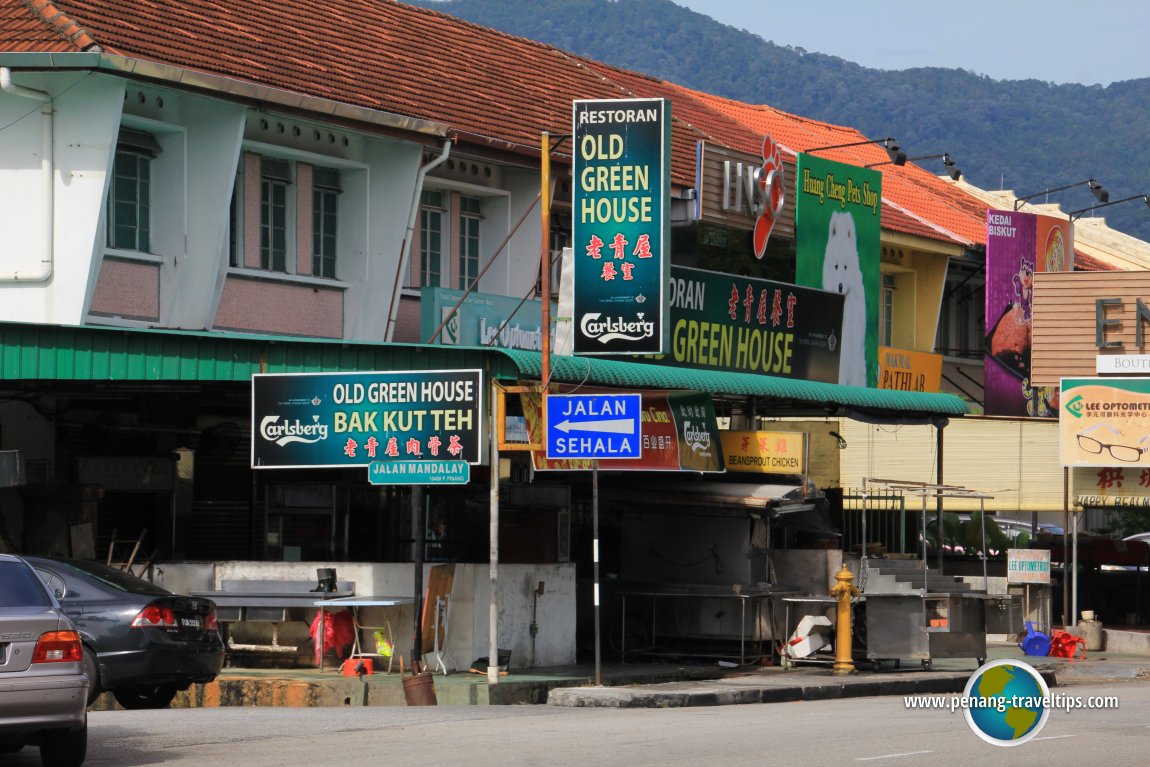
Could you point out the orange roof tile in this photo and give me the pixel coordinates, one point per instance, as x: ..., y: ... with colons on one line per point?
x: 492, y: 88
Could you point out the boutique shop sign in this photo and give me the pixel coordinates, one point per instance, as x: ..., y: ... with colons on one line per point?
x: 309, y: 420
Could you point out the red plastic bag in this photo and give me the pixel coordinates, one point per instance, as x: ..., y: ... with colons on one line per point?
x: 338, y: 633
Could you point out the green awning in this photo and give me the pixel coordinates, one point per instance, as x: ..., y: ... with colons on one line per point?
x: 804, y: 395
x: 68, y: 353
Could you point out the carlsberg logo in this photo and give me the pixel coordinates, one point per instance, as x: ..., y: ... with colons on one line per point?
x: 698, y: 438
x: 615, y: 328
x: 292, y: 431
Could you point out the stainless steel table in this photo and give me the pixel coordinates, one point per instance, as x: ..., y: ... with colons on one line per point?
x: 749, y: 599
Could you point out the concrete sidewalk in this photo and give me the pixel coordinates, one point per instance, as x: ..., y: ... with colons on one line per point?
x: 658, y: 685
x: 773, y: 685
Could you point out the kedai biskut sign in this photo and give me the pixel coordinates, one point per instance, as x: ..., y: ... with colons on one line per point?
x: 620, y: 228
x: 309, y: 420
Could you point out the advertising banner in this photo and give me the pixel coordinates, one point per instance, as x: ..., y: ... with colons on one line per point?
x: 908, y: 370
x: 620, y: 227
x: 749, y: 325
x: 1105, y: 422
x: 310, y: 420
x: 482, y: 320
x: 1017, y: 246
x: 678, y: 433
x: 838, y: 213
x: 764, y: 452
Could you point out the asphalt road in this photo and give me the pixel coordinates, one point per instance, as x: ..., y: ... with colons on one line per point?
x: 861, y: 731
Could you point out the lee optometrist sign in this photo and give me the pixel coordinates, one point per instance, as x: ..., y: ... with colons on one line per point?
x: 356, y: 419
x: 620, y: 228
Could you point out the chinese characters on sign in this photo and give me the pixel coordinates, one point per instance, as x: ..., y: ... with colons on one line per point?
x: 837, y: 248
x: 620, y: 230
x: 764, y: 452
x: 1105, y: 423
x: 745, y: 324
x: 354, y: 419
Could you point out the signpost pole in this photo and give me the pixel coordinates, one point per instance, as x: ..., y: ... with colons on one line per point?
x: 545, y: 258
x: 1066, y: 618
x: 982, y: 525
x: 418, y: 541
x: 493, y: 610
x: 595, y: 559
x: 1074, y: 574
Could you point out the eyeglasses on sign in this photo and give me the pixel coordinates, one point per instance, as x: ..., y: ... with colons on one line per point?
x: 1124, y: 453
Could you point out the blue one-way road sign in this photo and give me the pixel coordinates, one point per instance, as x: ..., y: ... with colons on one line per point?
x: 594, y: 426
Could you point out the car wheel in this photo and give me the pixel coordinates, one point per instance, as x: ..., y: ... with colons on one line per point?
x: 151, y: 696
x: 65, y: 749
x: 93, y: 673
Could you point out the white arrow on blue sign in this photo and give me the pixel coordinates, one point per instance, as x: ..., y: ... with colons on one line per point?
x: 593, y: 426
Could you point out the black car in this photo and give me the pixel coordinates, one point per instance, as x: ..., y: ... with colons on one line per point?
x: 141, y: 642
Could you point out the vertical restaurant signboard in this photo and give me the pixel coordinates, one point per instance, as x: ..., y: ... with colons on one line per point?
x: 620, y: 227
x: 1017, y: 246
x: 838, y: 211
x: 309, y: 420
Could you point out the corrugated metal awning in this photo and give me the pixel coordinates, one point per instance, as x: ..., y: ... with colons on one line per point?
x: 67, y: 353
x: 832, y: 397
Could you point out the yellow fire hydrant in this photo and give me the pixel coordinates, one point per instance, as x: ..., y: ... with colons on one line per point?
x: 844, y: 591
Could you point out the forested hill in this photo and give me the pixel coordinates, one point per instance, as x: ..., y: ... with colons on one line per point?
x: 1025, y: 135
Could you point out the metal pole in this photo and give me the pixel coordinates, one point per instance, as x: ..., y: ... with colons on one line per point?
x: 419, y: 533
x: 1074, y: 575
x: 493, y: 611
x: 982, y: 524
x: 545, y: 256
x: 938, y: 497
x: 862, y: 551
x: 595, y: 559
x: 1065, y: 547
x: 939, y: 534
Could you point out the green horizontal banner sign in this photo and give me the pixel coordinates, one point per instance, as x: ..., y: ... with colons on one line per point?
x: 419, y: 472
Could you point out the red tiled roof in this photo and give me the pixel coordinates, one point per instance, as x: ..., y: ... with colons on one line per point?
x: 910, y: 187
x: 491, y: 88
x: 25, y: 29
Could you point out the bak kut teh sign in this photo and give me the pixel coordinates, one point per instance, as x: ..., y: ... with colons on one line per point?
x: 356, y: 419
x: 620, y: 230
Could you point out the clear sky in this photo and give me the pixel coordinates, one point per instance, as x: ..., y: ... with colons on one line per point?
x: 1061, y: 41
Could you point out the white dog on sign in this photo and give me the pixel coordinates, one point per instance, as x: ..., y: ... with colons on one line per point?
x: 841, y: 274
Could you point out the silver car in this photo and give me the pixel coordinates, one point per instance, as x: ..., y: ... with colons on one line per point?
x: 43, y: 688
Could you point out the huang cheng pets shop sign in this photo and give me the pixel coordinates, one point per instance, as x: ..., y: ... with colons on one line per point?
x: 837, y: 248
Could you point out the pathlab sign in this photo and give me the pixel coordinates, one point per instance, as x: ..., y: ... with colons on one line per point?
x: 620, y: 230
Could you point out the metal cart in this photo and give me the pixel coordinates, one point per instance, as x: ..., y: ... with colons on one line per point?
x: 925, y: 626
